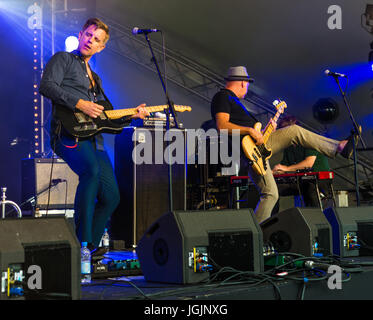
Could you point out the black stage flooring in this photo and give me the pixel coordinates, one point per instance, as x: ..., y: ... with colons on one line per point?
x: 357, y: 284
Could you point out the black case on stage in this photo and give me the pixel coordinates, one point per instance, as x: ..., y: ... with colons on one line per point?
x: 144, y: 187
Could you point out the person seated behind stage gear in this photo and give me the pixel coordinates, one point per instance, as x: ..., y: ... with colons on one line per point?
x: 229, y: 114
x: 297, y: 158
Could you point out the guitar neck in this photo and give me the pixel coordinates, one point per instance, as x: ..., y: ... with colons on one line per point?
x: 269, y: 128
x: 120, y: 113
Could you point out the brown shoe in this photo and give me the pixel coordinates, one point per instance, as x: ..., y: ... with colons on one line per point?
x: 349, y: 147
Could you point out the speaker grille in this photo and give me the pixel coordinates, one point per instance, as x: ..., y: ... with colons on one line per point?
x: 232, y: 249
x: 143, y: 187
x: 55, y: 263
x: 365, y: 238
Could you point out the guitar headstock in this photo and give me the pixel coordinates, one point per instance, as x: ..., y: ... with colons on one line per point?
x: 280, y: 105
x: 182, y: 108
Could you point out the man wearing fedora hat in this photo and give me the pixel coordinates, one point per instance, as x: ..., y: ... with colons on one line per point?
x: 230, y: 114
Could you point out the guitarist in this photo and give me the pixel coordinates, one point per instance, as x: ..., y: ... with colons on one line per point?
x: 69, y: 81
x: 229, y: 113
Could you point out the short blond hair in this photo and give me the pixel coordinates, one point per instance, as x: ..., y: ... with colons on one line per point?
x: 99, y: 24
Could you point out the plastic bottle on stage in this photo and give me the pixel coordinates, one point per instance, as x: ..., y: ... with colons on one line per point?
x: 85, y: 264
x: 105, y: 239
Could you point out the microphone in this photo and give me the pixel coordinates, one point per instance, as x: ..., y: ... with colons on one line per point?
x: 137, y: 30
x: 334, y: 74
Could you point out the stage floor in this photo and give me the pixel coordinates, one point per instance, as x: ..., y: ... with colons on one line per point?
x: 357, y: 286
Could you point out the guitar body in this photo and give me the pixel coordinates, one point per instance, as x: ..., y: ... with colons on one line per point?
x: 78, y: 124
x: 258, y: 155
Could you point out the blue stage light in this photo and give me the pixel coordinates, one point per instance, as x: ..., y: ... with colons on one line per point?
x: 71, y: 43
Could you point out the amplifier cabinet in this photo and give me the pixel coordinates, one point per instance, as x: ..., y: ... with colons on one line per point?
x: 144, y: 187
x: 36, y: 180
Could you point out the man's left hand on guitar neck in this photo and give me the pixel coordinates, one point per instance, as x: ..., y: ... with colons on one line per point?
x: 274, y: 124
x: 142, y: 113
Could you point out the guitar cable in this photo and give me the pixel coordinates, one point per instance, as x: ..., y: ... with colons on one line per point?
x: 300, y: 192
x: 57, y: 135
x: 51, y: 172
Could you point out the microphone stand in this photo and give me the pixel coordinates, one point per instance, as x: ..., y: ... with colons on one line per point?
x: 354, y: 131
x: 169, y: 111
x: 33, y: 198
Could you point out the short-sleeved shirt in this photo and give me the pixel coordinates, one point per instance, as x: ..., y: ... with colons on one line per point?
x: 296, y: 154
x: 226, y: 101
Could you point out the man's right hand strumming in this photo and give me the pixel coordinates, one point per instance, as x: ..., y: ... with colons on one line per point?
x: 89, y: 108
x: 256, y: 135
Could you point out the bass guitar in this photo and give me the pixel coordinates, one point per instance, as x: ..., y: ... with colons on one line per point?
x: 258, y: 155
x: 80, y: 125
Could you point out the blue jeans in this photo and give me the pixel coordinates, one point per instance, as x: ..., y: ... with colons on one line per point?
x: 97, y: 194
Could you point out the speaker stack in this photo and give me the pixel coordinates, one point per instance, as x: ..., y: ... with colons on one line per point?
x: 224, y: 237
x: 144, y: 186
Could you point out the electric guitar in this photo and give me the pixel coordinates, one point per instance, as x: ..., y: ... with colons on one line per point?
x: 80, y: 125
x: 259, y: 155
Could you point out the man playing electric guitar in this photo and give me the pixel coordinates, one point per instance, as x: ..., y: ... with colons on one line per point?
x: 229, y: 113
x: 68, y: 81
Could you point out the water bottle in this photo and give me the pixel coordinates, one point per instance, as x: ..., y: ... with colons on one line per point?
x: 85, y: 263
x: 106, y: 240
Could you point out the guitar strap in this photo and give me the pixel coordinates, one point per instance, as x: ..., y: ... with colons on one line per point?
x: 96, y: 78
x: 99, y: 89
x: 245, y: 109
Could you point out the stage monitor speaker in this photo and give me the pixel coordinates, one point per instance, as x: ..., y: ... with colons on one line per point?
x: 352, y: 229
x: 144, y: 186
x: 303, y: 231
x: 167, y: 250
x: 36, y: 175
x: 49, y: 244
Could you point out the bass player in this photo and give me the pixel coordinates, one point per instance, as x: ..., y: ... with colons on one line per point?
x: 229, y: 113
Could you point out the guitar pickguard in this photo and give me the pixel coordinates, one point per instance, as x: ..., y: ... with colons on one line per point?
x: 83, y: 118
